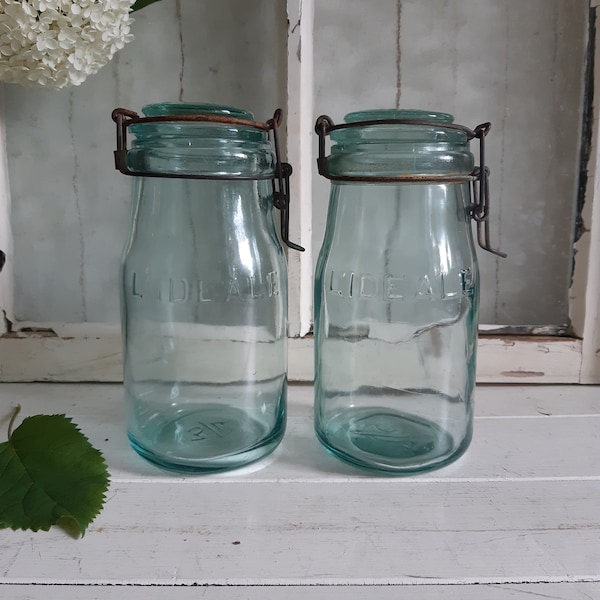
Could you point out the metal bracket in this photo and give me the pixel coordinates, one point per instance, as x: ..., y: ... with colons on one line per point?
x: 480, y: 209
x: 281, y: 184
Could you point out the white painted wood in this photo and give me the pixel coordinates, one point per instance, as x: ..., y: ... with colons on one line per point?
x: 100, y: 401
x: 85, y: 356
x: 297, y: 529
x: 550, y: 433
x: 528, y: 360
x: 6, y: 242
x: 590, y: 363
x: 92, y: 352
x: 508, y: 591
x: 391, y: 532
x: 90, y: 355
x: 300, y: 124
x: 585, y: 289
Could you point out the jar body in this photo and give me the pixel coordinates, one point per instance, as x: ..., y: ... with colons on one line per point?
x: 204, y: 306
x: 396, y: 303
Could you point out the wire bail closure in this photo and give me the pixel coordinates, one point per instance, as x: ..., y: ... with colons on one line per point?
x: 479, y: 178
x: 280, y: 178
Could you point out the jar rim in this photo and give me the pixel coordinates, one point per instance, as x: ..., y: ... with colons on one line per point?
x: 382, y: 114
x: 176, y: 119
x: 163, y: 109
x: 393, y: 125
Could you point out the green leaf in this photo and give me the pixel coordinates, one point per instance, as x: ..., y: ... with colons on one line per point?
x: 50, y: 474
x: 139, y: 4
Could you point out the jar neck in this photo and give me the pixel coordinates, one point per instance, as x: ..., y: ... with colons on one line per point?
x: 202, y: 140
x: 386, y: 144
x: 192, y: 145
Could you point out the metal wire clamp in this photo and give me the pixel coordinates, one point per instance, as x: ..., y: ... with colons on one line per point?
x: 280, y: 178
x: 479, y: 178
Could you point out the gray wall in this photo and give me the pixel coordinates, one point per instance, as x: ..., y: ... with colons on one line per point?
x: 70, y: 208
x: 517, y: 63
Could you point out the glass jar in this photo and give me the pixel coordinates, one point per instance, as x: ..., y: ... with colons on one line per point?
x: 204, y: 292
x: 397, y: 290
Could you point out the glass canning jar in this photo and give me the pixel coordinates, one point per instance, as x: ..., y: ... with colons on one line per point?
x: 397, y: 289
x: 204, y: 286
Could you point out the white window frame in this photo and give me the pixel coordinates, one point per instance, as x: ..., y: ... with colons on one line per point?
x: 92, y: 352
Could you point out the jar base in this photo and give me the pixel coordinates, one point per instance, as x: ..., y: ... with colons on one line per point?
x: 207, y: 439
x: 392, y: 442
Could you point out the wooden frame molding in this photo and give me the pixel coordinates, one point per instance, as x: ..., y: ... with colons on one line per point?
x: 55, y: 352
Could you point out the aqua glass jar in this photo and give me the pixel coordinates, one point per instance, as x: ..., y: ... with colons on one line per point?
x: 204, y: 286
x: 397, y: 290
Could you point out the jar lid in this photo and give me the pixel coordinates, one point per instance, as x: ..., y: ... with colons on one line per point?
x: 399, y: 125
x: 383, y: 114
x: 163, y: 109
x: 387, y: 144
x: 176, y: 119
x: 194, y: 141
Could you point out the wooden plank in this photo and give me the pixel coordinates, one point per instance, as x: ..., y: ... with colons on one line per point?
x: 562, y: 591
x: 102, y: 400
x: 6, y: 238
x: 517, y: 516
x: 536, y: 400
x: 300, y: 133
x: 590, y: 367
x: 548, y: 439
x: 92, y: 352
x: 381, y: 533
x: 84, y: 358
x: 584, y: 308
x: 527, y: 359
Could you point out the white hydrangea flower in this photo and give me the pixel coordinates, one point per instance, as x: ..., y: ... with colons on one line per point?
x: 57, y: 43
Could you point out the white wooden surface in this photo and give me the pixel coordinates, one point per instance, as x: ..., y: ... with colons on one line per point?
x: 565, y: 591
x: 517, y: 516
x: 71, y: 353
x: 300, y: 137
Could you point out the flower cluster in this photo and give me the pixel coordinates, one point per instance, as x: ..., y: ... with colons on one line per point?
x: 57, y: 43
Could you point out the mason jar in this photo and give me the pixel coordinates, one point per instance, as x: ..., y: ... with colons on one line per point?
x: 397, y: 289
x: 203, y: 286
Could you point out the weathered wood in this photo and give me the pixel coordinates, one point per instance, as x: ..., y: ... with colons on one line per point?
x: 299, y: 125
x: 528, y: 359
x: 6, y: 239
x: 508, y: 591
x: 328, y: 533
x: 518, y: 515
x: 521, y: 432
x: 584, y: 308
